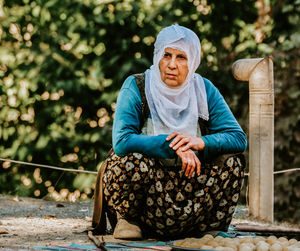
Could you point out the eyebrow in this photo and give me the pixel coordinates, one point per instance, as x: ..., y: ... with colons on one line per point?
x: 179, y: 54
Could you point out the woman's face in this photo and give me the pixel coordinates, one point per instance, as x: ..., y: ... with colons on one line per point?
x: 173, y: 67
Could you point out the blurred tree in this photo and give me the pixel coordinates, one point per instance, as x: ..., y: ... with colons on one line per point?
x: 285, y: 39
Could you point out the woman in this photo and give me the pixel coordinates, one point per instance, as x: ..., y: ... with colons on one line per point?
x: 167, y: 176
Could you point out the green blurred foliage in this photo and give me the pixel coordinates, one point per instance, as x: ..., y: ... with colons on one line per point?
x: 285, y: 39
x: 62, y: 64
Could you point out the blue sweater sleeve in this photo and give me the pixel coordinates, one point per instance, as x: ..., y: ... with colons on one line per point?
x: 127, y: 126
x: 226, y: 135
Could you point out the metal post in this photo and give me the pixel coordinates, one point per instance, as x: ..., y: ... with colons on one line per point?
x: 259, y: 73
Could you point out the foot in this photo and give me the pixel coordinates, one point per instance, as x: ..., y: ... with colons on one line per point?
x: 127, y: 230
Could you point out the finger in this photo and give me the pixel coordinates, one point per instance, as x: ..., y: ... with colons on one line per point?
x: 198, y: 166
x: 176, y: 140
x: 172, y: 135
x: 190, y: 166
x: 184, y: 163
x: 186, y: 147
x: 192, y: 170
x: 180, y: 143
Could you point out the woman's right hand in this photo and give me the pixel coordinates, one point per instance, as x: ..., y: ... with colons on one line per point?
x: 190, y: 162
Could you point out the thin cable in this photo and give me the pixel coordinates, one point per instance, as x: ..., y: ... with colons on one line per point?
x: 92, y: 172
x: 47, y: 166
x: 280, y: 172
x: 288, y: 170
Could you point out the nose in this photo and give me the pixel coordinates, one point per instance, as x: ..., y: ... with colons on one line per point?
x: 172, y: 63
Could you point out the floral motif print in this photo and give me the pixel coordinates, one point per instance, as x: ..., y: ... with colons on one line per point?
x: 167, y: 202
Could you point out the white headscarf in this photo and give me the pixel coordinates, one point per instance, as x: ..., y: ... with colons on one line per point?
x: 176, y: 109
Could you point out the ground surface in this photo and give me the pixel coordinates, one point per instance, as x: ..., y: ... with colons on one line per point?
x: 28, y: 222
x: 32, y: 222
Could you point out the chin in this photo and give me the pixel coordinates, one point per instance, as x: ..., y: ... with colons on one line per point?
x: 172, y: 84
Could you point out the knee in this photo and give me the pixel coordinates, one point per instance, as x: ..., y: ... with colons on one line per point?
x: 237, y: 163
x: 132, y: 162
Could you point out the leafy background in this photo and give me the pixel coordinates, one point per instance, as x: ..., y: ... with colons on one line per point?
x: 62, y: 64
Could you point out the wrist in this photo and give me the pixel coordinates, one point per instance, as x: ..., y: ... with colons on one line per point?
x: 201, y: 144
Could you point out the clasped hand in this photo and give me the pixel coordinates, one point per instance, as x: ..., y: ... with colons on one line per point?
x: 185, y: 145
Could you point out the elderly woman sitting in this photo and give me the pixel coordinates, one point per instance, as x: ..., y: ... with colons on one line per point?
x: 168, y: 175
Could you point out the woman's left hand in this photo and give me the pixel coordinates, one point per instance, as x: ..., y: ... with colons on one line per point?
x: 185, y: 142
x: 190, y: 162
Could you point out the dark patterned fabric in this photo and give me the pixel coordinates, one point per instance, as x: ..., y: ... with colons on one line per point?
x: 166, y: 201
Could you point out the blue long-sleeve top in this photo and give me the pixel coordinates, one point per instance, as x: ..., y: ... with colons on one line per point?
x: 226, y: 135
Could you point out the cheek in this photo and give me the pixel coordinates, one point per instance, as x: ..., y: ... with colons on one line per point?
x: 161, y: 67
x: 184, y: 71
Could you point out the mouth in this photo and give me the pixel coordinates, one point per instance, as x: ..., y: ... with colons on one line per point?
x: 171, y: 76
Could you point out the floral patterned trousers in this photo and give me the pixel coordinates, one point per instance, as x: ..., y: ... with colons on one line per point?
x: 168, y: 203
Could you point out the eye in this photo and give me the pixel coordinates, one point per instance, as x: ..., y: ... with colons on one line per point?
x: 181, y: 56
x: 166, y: 55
